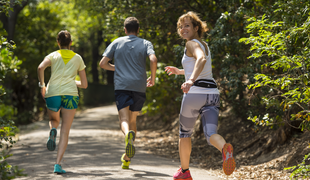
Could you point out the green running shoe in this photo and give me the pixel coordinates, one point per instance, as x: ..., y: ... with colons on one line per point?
x: 58, y: 169
x: 125, y: 164
x: 51, y: 142
x: 130, y: 149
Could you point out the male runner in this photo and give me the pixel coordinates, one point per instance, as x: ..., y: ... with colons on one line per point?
x: 130, y: 80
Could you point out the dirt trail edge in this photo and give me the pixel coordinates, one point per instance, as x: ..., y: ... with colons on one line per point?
x: 94, y: 151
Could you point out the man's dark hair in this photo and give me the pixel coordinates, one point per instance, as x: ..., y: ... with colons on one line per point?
x: 131, y: 24
x: 64, y: 38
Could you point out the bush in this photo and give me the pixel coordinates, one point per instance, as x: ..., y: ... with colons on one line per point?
x: 284, y: 81
x: 301, y: 170
x: 164, y: 98
x: 7, y: 128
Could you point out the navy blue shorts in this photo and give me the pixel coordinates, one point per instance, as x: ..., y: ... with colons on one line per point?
x: 133, y: 99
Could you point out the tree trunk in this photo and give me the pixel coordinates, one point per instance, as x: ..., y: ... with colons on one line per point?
x: 9, y: 21
x: 97, y: 40
x: 110, y: 77
x: 110, y: 74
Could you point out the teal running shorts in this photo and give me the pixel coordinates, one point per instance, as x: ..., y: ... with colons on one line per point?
x: 54, y: 103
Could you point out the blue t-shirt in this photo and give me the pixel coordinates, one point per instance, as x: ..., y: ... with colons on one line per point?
x: 129, y: 53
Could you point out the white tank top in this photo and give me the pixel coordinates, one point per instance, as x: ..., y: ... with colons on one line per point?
x: 188, y: 64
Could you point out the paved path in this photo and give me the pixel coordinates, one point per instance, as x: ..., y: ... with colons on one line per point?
x: 94, y: 150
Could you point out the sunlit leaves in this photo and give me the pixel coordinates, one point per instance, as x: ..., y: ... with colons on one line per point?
x: 8, y: 62
x: 301, y: 170
x: 285, y: 50
x: 6, y: 5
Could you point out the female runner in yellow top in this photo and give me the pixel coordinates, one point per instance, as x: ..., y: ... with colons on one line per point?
x: 61, y: 92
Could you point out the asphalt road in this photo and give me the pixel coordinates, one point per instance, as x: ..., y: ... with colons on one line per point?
x: 95, y: 147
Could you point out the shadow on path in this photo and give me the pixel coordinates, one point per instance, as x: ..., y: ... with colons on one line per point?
x: 95, y: 147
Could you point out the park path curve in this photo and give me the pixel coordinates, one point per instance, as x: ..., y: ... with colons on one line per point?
x: 94, y: 150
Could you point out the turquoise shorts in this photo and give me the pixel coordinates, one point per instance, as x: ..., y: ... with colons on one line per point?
x: 54, y: 103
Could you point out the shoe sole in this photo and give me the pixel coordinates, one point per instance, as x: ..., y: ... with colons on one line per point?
x: 229, y: 164
x: 130, y: 148
x: 51, y: 144
x: 125, y: 167
x: 59, y: 170
x: 190, y: 178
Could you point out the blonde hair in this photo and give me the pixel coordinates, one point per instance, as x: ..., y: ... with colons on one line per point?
x: 202, y: 25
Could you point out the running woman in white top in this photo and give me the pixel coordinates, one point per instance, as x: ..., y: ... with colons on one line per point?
x: 201, y: 95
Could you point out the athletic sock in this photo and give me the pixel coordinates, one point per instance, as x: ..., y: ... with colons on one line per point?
x: 184, y: 170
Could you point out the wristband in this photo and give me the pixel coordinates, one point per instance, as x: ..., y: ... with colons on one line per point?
x: 192, y: 80
x: 41, y: 86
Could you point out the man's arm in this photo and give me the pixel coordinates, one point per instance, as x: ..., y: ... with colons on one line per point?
x: 153, y: 67
x: 104, y: 64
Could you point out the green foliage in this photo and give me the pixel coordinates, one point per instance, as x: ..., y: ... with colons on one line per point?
x: 164, y: 98
x: 6, y: 5
x: 227, y: 58
x: 9, y: 172
x: 283, y: 47
x: 232, y: 69
x: 7, y: 62
x: 7, y: 131
x: 7, y: 128
x: 301, y: 170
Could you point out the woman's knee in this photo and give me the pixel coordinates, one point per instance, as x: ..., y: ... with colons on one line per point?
x: 54, y: 118
x: 185, y: 131
x: 209, y: 137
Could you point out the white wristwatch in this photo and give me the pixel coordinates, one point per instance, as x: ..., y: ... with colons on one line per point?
x: 41, y: 86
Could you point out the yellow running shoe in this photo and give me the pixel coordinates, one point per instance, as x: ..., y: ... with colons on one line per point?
x: 130, y: 149
x: 125, y: 164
